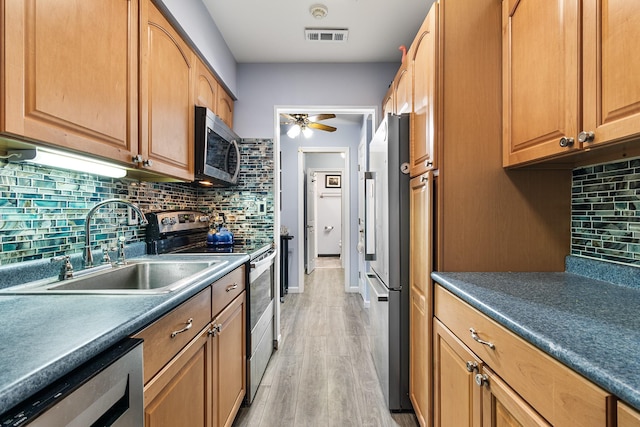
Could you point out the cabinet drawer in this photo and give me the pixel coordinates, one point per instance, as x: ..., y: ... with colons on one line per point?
x: 164, y: 338
x: 559, y: 394
x: 227, y: 288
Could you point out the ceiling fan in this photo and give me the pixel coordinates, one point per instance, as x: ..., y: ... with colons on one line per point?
x: 304, y: 123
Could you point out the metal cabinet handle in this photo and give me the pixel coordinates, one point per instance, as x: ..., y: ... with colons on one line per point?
x: 476, y: 338
x: 482, y: 379
x: 586, y: 136
x: 186, y: 328
x: 232, y: 287
x: 214, y: 330
x: 472, y: 366
x: 566, y: 142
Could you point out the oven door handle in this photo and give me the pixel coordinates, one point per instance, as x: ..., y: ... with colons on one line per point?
x: 259, y: 267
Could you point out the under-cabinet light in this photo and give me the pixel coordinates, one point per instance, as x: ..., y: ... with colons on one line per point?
x: 67, y: 161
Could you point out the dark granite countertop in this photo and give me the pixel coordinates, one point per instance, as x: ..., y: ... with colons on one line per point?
x: 592, y: 326
x: 44, y: 337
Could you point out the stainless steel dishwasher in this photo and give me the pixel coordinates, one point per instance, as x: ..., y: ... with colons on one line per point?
x: 106, y: 391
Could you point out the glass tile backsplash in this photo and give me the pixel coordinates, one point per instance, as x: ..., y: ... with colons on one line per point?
x: 605, y: 214
x: 42, y: 210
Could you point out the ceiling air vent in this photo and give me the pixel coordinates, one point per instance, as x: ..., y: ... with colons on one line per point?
x: 339, y: 35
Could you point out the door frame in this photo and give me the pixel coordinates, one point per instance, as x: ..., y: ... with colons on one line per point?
x: 346, y: 226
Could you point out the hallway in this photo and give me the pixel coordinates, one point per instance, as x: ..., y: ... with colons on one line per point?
x: 323, y: 374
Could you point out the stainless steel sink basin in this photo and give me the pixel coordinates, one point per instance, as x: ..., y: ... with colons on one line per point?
x: 137, y: 277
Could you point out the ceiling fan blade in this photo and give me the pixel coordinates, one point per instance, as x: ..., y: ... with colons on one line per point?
x: 319, y: 117
x: 320, y: 126
x: 288, y: 117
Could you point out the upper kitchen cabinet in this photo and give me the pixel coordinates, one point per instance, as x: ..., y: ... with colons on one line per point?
x: 397, y: 100
x: 423, y: 63
x: 70, y: 75
x: 388, y: 102
x: 403, y: 89
x: 167, y: 70
x: 206, y: 87
x: 611, y: 84
x: 540, y: 79
x: 224, y: 107
x: 566, y: 91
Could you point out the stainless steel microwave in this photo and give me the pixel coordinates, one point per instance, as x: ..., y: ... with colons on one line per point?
x: 217, y: 153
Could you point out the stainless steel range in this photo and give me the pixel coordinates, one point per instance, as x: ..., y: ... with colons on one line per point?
x: 186, y: 232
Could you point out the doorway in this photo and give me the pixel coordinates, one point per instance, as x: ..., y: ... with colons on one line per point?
x: 353, y: 124
x: 323, y: 211
x: 309, y: 191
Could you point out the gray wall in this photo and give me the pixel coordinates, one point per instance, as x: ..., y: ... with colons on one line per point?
x: 262, y: 87
x: 194, y: 19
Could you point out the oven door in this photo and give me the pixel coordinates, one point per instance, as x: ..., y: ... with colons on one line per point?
x: 261, y: 320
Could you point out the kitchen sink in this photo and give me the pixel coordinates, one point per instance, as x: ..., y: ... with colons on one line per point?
x: 136, y: 277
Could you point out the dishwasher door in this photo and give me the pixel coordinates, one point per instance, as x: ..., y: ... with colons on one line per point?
x: 106, y: 391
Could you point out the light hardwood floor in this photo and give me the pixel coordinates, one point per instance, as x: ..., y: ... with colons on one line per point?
x: 323, y: 374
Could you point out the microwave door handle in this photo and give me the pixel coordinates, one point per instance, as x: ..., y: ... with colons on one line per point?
x: 237, y: 169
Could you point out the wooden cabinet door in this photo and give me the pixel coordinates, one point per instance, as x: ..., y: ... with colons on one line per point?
x: 457, y: 398
x: 423, y: 126
x: 388, y: 105
x: 421, y: 294
x: 70, y: 74
x: 166, y: 97
x: 180, y: 395
x: 540, y: 78
x: 403, y: 90
x: 206, y: 87
x: 224, y: 107
x: 611, y: 58
x: 503, y: 407
x: 627, y: 416
x: 229, y: 362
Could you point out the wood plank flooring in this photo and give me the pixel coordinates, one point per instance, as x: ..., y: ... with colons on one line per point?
x: 323, y: 374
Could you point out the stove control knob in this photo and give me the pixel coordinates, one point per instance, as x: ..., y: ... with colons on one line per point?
x: 203, y: 218
x: 168, y: 221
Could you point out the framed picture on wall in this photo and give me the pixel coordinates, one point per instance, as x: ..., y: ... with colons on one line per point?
x: 332, y: 181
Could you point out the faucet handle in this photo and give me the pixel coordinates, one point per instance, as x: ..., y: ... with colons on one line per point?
x: 121, y: 258
x: 66, y: 272
x: 106, y: 259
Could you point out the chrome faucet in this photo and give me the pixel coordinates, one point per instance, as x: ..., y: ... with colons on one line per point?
x: 88, y: 257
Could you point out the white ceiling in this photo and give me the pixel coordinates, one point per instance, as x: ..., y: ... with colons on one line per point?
x: 273, y: 30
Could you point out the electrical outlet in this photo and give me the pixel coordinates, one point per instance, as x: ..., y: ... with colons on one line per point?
x: 132, y: 217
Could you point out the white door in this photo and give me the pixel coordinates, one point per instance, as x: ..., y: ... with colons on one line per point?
x: 310, y: 234
x: 329, y: 218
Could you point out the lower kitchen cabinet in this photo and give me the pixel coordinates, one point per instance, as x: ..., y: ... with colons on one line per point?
x: 180, y: 394
x: 467, y: 393
x: 627, y: 416
x: 229, y: 361
x: 198, y: 378
x: 501, y: 406
x: 421, y: 296
x: 515, y: 383
x: 456, y: 398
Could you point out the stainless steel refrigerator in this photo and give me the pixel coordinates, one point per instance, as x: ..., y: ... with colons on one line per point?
x: 387, y: 247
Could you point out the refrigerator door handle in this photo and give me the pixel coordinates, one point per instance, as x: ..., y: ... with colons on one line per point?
x: 370, y: 216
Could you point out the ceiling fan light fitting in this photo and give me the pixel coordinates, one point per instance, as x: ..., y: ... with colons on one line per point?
x: 307, y: 132
x: 318, y: 11
x: 293, y: 131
